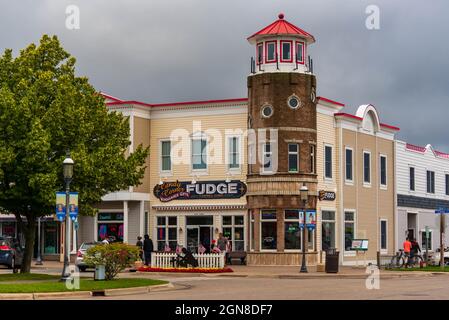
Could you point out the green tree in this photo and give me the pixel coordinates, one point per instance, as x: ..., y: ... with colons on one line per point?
x: 46, y: 110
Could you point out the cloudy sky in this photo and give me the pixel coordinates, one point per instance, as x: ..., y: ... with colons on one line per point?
x: 178, y: 50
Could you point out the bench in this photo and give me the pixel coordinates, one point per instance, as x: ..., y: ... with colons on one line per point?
x: 241, y: 255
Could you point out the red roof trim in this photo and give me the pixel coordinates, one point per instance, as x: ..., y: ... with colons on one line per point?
x: 280, y: 27
x: 107, y: 96
x: 415, y: 147
x: 331, y: 101
x: 128, y: 102
x: 347, y: 115
x: 177, y: 103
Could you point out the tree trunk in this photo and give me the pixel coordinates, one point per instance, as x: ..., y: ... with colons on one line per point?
x: 30, y: 233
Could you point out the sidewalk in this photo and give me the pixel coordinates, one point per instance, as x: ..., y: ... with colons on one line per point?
x: 280, y: 272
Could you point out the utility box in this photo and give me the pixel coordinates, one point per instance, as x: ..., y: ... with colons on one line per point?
x: 100, y: 273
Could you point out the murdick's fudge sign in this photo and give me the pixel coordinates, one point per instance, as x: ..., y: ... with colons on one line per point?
x: 183, y: 190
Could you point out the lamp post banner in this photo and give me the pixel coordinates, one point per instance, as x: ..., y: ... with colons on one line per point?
x: 311, y: 219
x: 60, y: 206
x: 73, y: 206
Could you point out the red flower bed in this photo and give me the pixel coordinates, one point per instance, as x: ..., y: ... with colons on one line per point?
x: 186, y: 270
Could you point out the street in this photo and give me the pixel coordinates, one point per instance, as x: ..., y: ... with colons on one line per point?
x: 242, y: 288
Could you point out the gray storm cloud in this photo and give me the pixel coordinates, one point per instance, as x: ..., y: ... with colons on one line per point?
x: 175, y: 50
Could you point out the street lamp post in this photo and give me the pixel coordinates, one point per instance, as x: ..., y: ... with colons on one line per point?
x: 39, y: 258
x: 67, y: 166
x: 304, y: 193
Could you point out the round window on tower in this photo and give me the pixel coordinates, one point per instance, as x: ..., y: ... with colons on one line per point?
x: 267, y: 111
x: 294, y: 102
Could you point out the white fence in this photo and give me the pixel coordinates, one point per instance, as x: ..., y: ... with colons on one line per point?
x: 206, y: 260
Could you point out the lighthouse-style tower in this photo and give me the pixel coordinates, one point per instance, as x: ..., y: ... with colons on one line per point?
x: 282, y: 104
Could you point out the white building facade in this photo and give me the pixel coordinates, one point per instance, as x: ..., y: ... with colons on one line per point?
x: 422, y: 176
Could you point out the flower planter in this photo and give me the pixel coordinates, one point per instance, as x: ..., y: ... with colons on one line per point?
x: 186, y: 270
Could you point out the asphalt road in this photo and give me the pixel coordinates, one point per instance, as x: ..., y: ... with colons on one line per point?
x: 223, y: 288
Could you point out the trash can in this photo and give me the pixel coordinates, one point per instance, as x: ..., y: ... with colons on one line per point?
x: 99, y: 272
x: 332, y: 261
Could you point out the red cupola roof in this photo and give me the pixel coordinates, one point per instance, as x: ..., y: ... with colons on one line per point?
x: 282, y: 27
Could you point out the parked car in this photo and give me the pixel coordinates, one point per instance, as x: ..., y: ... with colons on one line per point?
x: 79, y: 262
x: 435, y: 258
x: 11, y: 253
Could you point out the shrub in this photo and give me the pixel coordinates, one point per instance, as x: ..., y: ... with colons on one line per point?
x: 115, y: 257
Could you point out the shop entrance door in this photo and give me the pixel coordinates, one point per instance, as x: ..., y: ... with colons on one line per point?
x: 197, y: 235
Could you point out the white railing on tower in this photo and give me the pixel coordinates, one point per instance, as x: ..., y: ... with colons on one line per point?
x: 205, y: 260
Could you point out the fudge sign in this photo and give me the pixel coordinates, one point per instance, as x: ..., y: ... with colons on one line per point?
x: 326, y: 195
x: 182, y: 190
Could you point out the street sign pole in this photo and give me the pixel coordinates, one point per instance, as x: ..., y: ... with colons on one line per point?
x: 441, y: 241
x: 427, y: 245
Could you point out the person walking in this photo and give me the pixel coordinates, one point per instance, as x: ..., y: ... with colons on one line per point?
x: 222, y: 244
x: 407, y: 245
x: 147, y: 249
x: 139, y: 244
x: 414, y: 249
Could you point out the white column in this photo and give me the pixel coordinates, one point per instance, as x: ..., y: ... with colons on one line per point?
x: 125, y: 221
x: 142, y: 218
x: 95, y: 228
x: 74, y: 242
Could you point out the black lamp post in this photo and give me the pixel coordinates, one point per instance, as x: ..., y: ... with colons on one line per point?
x: 67, y: 166
x: 304, y: 193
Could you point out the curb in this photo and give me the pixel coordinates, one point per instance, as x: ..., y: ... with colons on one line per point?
x: 85, y: 294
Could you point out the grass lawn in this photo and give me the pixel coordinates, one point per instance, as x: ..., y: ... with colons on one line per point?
x: 27, y: 276
x: 85, y: 285
x: 428, y: 269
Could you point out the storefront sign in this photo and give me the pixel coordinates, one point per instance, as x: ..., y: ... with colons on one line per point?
x: 359, y: 244
x: 326, y: 195
x: 177, y: 190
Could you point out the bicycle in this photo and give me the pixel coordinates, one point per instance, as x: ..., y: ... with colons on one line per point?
x: 398, y: 260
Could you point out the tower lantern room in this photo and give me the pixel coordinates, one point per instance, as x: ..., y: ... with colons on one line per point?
x: 281, y: 47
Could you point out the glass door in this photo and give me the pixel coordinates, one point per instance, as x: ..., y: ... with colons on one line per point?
x: 193, y: 237
x: 206, y: 237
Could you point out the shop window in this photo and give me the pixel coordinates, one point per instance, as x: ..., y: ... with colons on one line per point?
x: 286, y: 51
x: 167, y: 233
x: 300, y: 52
x: 447, y: 184
x: 252, y: 225
x: 51, y: 237
x: 425, y: 241
x: 233, y: 229
x: 267, y: 158
x: 366, y: 167
x: 383, y: 171
x: 327, y: 230
x: 270, y: 51
x: 328, y: 162
x: 165, y: 155
x: 233, y: 153
x: 383, y: 235
x: 292, y: 230
x: 9, y: 229
x: 259, y: 53
x: 349, y: 229
x: 412, y: 178
x: 430, y: 181
x: 110, y: 226
x: 312, y: 158
x: 199, y: 156
x: 349, y: 165
x: 268, y: 234
x: 293, y: 157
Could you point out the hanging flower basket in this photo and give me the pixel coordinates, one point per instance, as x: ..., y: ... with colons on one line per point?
x: 186, y: 270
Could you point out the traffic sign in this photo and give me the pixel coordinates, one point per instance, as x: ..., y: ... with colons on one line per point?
x: 442, y: 211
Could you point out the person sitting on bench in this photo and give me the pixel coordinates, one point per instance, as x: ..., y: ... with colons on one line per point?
x: 185, y: 260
